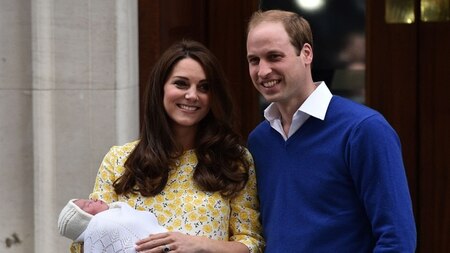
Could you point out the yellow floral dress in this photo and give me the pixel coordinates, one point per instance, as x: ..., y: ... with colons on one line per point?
x: 182, y: 206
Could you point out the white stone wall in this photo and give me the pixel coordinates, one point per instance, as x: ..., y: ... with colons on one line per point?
x: 68, y: 92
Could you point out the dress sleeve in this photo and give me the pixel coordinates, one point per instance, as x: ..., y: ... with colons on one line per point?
x: 245, y: 226
x: 103, y: 188
x: 110, y: 168
x: 76, y: 247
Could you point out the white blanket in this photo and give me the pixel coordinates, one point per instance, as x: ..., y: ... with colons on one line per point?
x: 117, y: 229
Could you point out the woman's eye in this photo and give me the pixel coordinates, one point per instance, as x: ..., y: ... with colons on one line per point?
x: 180, y: 83
x: 204, y: 87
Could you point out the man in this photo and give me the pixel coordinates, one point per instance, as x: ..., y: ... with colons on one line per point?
x: 329, y: 171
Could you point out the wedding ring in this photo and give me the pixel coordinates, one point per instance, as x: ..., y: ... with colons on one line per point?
x: 166, y: 249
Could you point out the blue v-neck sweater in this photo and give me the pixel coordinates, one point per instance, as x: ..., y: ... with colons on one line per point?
x: 336, y: 185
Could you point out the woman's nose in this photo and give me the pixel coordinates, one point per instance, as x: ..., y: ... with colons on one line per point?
x: 191, y: 94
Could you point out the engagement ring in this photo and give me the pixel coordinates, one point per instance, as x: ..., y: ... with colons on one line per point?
x: 166, y: 249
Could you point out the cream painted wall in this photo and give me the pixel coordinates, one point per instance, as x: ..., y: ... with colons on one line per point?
x: 68, y: 92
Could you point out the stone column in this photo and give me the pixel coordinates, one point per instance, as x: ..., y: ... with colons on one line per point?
x: 16, y: 137
x: 68, y: 92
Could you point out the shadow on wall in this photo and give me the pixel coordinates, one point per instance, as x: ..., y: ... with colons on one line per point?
x: 12, y: 240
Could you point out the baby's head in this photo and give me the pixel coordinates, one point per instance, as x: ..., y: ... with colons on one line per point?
x: 75, y: 216
x: 91, y: 206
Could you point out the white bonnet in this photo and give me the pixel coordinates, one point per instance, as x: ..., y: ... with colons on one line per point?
x: 73, y: 221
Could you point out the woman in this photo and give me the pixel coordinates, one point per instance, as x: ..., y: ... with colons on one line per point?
x: 188, y: 167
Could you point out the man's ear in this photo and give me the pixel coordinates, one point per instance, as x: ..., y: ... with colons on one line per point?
x: 307, y: 53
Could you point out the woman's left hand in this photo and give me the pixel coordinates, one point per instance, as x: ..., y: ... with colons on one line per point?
x: 173, y: 242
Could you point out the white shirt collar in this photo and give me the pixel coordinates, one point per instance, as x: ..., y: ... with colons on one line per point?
x: 315, y: 105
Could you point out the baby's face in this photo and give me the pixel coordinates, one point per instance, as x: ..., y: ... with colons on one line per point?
x: 91, y: 206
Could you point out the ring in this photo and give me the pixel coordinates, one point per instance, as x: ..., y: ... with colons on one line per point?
x: 166, y: 248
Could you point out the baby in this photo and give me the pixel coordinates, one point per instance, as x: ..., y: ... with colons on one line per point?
x: 106, y: 228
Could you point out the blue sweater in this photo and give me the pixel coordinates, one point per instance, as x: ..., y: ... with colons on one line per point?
x: 336, y: 185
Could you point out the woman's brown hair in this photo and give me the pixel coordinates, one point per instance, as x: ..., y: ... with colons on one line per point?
x: 222, y: 165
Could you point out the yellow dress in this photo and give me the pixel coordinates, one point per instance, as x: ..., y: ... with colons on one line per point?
x: 182, y: 206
